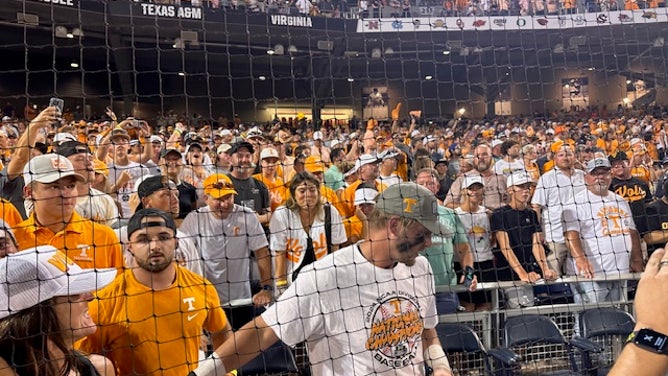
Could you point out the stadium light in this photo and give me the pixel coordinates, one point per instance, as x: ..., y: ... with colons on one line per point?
x: 350, y: 79
x: 262, y: 78
x: 74, y: 64
x: 428, y: 77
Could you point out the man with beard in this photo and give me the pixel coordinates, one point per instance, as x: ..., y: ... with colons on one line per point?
x: 601, y: 236
x: 251, y: 193
x: 351, y: 305
x: 510, y: 149
x: 495, y: 184
x: 226, y: 234
x: 151, y: 317
x: 554, y: 190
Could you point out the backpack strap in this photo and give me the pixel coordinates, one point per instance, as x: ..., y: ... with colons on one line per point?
x: 328, y: 227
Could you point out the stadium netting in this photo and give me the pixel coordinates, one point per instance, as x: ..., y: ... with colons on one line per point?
x: 235, y: 66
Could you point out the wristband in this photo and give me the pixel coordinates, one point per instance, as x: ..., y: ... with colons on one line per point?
x: 281, y: 283
x: 650, y: 340
x: 435, y: 358
x: 211, y: 366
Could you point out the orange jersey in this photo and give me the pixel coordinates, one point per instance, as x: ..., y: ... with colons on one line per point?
x: 354, y: 227
x: 89, y: 244
x: 277, y: 190
x: 10, y: 214
x: 149, y: 332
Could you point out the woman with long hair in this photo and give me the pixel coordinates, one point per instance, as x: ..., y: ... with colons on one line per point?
x: 43, y: 311
x: 298, y: 230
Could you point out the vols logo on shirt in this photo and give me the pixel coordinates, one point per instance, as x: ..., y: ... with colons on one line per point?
x: 631, y: 193
x: 395, y: 329
x: 614, y: 221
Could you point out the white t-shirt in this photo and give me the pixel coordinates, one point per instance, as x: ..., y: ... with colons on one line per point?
x: 136, y: 171
x: 225, y: 246
x: 503, y: 167
x: 604, y: 224
x: 98, y: 207
x: 358, y: 319
x: 554, y: 191
x: 288, y: 234
x: 478, y: 233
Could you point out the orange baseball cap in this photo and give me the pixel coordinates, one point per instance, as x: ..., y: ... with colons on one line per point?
x: 218, y: 185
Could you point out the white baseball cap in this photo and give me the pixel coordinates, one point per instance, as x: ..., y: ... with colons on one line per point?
x: 62, y: 137
x: 365, y: 196
x: 48, y: 168
x: 363, y: 159
x: 269, y: 153
x: 38, y: 274
x: 519, y: 177
x: 469, y: 180
x: 317, y: 135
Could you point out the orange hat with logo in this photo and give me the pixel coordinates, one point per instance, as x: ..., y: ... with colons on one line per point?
x: 218, y: 185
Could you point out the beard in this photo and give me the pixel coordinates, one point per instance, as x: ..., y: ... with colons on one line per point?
x: 154, y: 267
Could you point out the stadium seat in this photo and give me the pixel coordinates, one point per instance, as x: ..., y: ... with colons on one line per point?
x: 276, y: 360
x: 607, y: 327
x: 540, y: 348
x: 464, y: 350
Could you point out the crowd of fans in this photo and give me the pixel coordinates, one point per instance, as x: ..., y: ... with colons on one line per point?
x: 412, y: 8
x: 232, y: 214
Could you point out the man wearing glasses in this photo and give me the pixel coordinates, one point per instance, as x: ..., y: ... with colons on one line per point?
x: 151, y: 317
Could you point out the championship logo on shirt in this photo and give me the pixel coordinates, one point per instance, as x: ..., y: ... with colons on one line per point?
x: 396, y: 329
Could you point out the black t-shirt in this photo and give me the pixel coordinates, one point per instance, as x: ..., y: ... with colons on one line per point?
x: 657, y: 220
x: 252, y: 194
x: 520, y: 225
x: 636, y: 192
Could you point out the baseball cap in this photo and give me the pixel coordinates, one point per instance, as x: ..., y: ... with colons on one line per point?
x: 62, y: 137
x: 410, y: 200
x: 254, y: 132
x: 556, y: 146
x: 365, y: 196
x: 469, y: 180
x: 48, y: 168
x: 597, y: 163
x: 155, y: 138
x: 620, y: 156
x: 240, y: 145
x: 194, y: 145
x: 496, y: 142
x: 165, y: 152
x: 387, y: 154
x: 519, y: 177
x: 218, y: 185
x: 269, y: 153
x: 225, y: 132
x: 363, y: 159
x: 317, y: 136
x: 119, y: 133
x: 223, y: 148
x: 152, y: 184
x: 69, y: 148
x: 35, y: 275
x: 314, y: 164
x: 137, y: 221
